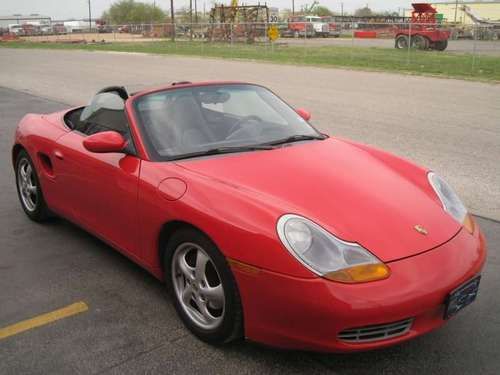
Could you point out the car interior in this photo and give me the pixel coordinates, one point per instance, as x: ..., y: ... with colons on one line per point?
x: 190, y: 120
x: 105, y: 112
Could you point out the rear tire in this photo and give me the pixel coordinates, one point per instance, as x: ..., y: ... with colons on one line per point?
x: 29, y: 189
x: 203, y: 289
x: 420, y: 42
x: 441, y: 45
x: 401, y: 42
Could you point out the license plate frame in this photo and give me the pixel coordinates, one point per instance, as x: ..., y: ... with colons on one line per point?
x: 461, y: 297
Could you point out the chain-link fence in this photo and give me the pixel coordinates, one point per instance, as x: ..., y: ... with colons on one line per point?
x: 429, y: 48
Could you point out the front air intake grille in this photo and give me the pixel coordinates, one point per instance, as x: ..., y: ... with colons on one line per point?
x: 376, y: 332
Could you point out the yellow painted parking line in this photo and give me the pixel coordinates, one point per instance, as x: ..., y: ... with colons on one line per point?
x: 40, y: 320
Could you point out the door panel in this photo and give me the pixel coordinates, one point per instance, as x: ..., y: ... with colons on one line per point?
x: 100, y: 189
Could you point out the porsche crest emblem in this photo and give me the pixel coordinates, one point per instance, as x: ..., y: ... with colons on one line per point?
x: 420, y: 229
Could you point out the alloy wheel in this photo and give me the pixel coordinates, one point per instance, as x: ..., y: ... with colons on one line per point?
x: 27, y: 185
x: 198, y: 286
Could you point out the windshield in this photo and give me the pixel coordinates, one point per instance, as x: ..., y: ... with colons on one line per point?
x: 186, y: 121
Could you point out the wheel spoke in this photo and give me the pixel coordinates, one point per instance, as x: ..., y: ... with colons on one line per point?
x: 23, y: 174
x: 201, y: 262
x: 186, y: 270
x: 31, y: 188
x: 202, y: 305
x: 214, y: 295
x: 187, y: 294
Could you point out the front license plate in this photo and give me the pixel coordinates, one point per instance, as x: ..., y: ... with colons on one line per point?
x: 463, y: 296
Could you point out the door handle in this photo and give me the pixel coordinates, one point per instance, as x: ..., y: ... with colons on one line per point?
x: 58, y: 154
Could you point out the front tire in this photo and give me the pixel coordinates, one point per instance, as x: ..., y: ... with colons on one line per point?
x: 29, y: 189
x: 203, y: 288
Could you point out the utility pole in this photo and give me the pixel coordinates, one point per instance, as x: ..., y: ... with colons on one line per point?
x: 196, y: 11
x: 190, y: 19
x: 456, y: 9
x: 342, y: 9
x: 172, y: 19
x: 90, y: 19
x: 191, y: 11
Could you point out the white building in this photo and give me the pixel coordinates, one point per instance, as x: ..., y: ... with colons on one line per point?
x: 19, y: 19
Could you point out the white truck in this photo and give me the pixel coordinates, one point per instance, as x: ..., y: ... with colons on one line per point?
x: 320, y: 28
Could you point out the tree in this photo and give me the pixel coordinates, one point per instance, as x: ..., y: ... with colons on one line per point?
x: 363, y: 12
x: 309, y: 9
x: 316, y: 9
x: 130, y: 11
x: 321, y: 11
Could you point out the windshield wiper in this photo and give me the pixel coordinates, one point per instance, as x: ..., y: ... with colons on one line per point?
x: 223, y: 150
x: 298, y: 138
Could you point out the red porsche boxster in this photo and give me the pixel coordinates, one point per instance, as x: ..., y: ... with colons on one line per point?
x: 260, y: 226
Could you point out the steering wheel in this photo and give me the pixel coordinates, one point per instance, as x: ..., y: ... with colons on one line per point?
x: 242, y: 120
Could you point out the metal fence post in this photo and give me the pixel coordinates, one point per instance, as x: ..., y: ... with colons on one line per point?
x: 231, y: 37
x: 352, y: 39
x: 475, y: 28
x: 409, y: 44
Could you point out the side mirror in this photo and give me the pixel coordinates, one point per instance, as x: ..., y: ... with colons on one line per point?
x: 109, y: 141
x: 304, y: 113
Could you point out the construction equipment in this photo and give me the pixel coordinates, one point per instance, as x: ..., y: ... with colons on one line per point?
x: 238, y: 22
x: 423, y: 32
x: 484, y: 29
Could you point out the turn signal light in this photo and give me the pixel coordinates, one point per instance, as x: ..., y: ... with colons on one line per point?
x: 360, y: 274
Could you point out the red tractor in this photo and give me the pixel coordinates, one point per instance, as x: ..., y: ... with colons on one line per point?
x: 423, y: 32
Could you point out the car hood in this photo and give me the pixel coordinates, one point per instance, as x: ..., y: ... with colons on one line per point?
x: 357, y: 193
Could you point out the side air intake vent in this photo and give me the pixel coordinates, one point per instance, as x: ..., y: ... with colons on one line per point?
x: 376, y: 332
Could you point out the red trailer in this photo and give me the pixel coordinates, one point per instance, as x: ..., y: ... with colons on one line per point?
x: 423, y: 32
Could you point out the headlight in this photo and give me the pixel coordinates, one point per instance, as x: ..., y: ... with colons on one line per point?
x: 326, y: 255
x: 450, y: 201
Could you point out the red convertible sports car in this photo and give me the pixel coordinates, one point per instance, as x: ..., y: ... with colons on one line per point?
x: 260, y: 226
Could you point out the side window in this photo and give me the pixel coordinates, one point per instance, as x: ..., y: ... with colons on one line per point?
x: 105, y: 112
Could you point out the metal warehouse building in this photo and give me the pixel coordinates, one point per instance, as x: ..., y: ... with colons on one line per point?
x: 461, y: 11
x: 18, y: 19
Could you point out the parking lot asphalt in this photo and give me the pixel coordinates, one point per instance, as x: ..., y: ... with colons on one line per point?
x: 130, y: 326
x: 450, y: 126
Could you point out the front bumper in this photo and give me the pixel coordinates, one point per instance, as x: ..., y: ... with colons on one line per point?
x: 308, y: 314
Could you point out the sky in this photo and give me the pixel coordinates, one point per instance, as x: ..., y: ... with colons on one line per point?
x: 64, y: 9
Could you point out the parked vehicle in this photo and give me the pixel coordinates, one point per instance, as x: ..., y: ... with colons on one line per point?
x: 228, y: 195
x: 16, y: 29
x: 334, y: 29
x: 320, y: 28
x: 59, y: 28
x: 103, y: 27
x: 298, y: 27
x: 423, y: 32
x: 123, y: 29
